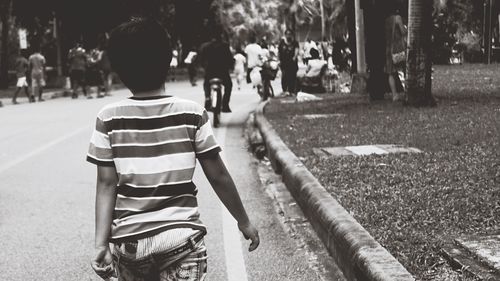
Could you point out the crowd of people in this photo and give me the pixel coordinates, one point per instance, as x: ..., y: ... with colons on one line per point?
x: 89, y: 69
x: 85, y: 69
x: 300, y: 65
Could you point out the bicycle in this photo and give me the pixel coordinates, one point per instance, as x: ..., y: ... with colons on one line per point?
x: 216, y: 99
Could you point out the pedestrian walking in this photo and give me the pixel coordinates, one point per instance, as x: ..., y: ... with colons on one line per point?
x: 253, y: 52
x: 288, y: 55
x: 395, y: 50
x: 37, y: 66
x: 107, y: 72
x: 22, y: 67
x: 94, y: 73
x: 174, y: 63
x: 77, y: 59
x: 190, y: 62
x: 146, y: 200
x: 239, y: 67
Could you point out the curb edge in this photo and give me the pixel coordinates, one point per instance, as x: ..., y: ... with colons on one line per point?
x: 356, y: 252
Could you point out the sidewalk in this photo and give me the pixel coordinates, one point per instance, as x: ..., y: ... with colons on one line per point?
x: 7, y: 94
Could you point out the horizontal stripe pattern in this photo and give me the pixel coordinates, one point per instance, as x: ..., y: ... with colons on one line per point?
x: 132, y: 123
x: 155, y: 179
x: 152, y: 165
x: 132, y: 206
x: 154, y: 136
x: 153, y: 143
x: 134, y: 151
x: 163, y: 190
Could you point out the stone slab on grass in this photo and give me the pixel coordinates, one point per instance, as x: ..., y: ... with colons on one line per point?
x: 363, y: 150
x: 338, y: 151
x: 485, y: 248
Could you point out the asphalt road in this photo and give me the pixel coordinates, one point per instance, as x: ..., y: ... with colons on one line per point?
x: 47, y: 196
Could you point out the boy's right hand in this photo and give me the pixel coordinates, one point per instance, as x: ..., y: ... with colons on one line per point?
x: 250, y: 232
x: 102, y: 263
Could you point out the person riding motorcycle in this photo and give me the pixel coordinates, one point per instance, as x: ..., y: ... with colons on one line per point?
x: 264, y: 73
x: 218, y: 62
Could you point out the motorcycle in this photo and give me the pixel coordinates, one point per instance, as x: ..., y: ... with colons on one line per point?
x: 262, y: 76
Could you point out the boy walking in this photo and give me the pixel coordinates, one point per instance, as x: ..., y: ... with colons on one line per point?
x: 22, y: 66
x: 37, y: 65
x: 145, y: 149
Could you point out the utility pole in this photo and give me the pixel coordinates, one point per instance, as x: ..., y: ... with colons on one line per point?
x: 360, y: 38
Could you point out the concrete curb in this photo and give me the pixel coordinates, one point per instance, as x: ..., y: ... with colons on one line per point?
x: 356, y: 252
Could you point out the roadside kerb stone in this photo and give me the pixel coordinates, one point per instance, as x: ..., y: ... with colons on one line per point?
x: 356, y: 252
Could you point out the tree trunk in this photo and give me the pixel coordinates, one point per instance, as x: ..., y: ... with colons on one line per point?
x: 419, y: 63
x: 5, y: 10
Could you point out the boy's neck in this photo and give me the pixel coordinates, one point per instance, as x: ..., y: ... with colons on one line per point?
x: 153, y: 93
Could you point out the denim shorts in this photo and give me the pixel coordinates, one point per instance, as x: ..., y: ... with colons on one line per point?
x: 186, y: 261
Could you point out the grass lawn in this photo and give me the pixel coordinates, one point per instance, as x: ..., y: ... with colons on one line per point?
x: 410, y: 203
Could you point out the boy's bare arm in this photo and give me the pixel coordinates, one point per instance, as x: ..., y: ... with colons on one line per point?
x: 224, y: 187
x: 102, y: 262
x: 104, y: 204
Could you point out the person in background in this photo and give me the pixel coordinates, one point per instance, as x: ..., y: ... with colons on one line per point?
x: 37, y: 66
x: 395, y: 42
x: 190, y: 62
x: 107, y: 72
x: 288, y: 55
x: 218, y: 62
x: 239, y: 67
x: 77, y: 59
x: 174, y: 63
x: 314, y: 65
x: 308, y: 45
x: 253, y: 52
x: 95, y: 75
x: 22, y: 66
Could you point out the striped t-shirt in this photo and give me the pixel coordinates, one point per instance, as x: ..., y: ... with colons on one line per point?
x: 153, y: 143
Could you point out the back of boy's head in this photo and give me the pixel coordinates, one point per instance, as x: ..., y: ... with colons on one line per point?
x: 140, y: 52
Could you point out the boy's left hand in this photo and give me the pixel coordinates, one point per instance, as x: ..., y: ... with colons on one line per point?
x: 250, y: 233
x: 102, y: 263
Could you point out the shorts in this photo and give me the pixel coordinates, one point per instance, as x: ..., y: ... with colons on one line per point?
x: 77, y: 78
x: 21, y: 82
x: 37, y: 81
x: 185, y: 261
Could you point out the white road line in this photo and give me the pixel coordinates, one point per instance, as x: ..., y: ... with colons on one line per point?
x: 235, y: 264
x: 39, y: 150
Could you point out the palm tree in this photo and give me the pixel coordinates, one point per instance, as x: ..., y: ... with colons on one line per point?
x: 419, y: 63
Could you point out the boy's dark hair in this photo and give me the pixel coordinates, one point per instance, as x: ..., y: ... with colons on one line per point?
x: 140, y: 53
